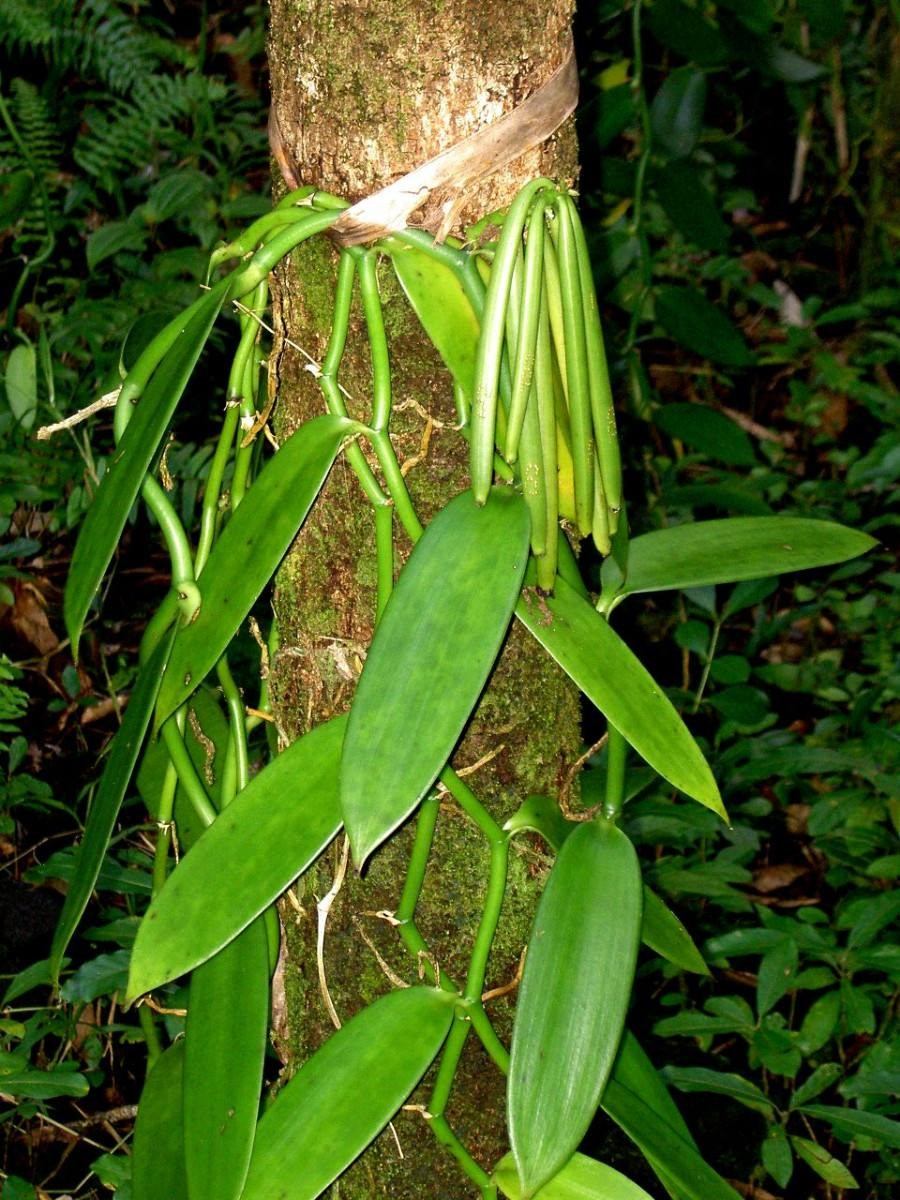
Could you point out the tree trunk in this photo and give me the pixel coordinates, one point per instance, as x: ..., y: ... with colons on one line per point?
x: 363, y: 92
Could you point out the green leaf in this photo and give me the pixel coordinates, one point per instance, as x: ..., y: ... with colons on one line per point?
x: 28, y: 1083
x: 822, y: 1077
x: 225, y: 1048
x: 676, y: 114
x: 849, y: 1123
x: 706, y: 430
x: 264, y: 839
x: 613, y: 679
x: 21, y: 384
x: 777, y: 1156
x: 247, y: 554
x: 120, y: 485
x: 573, y: 998
x: 582, y: 1178
x: 614, y: 111
x: 346, y: 1093
x: 827, y: 1167
x: 634, y: 1072
x: 687, y: 315
x: 775, y: 974
x: 691, y: 208
x: 686, y: 32
x: 34, y: 976
x: 662, y: 931
x: 16, y: 188
x: 101, y: 976
x: 755, y: 14
x: 110, y: 239
x: 728, y: 550
x: 17, y: 1188
x: 429, y: 660
x: 157, y: 1160
x: 722, y: 1083
x: 439, y: 301
x: 663, y: 1147
x: 108, y: 800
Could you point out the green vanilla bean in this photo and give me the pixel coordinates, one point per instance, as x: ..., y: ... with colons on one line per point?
x: 554, y: 306
x: 545, y: 405
x: 491, y: 341
x: 578, y: 388
x: 602, y: 411
x: 531, y: 466
x: 600, y: 525
x: 530, y: 303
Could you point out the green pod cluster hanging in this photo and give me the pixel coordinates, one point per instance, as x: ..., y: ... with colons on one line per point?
x: 541, y: 393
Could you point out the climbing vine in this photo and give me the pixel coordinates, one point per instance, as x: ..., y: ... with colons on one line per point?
x: 512, y: 312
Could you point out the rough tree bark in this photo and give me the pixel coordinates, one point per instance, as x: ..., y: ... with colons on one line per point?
x: 364, y: 91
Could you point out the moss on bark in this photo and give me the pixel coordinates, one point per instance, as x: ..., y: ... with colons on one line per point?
x: 363, y: 93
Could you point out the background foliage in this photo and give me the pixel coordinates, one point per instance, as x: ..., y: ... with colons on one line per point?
x: 739, y: 162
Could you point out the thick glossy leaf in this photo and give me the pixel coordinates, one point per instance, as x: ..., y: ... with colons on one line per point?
x: 726, y: 551
x: 157, y: 1161
x: 225, y: 1047
x: 662, y: 931
x: 676, y: 114
x: 582, y: 1178
x: 429, y: 660
x: 438, y: 300
x: 613, y: 679
x: 120, y: 485
x: 249, y: 550
x: 346, y: 1093
x: 265, y: 838
x: 855, y: 1122
x: 666, y: 1151
x: 573, y: 998
x: 108, y: 800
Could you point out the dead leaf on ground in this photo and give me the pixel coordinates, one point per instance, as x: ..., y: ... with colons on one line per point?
x: 27, y: 617
x: 776, y: 876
